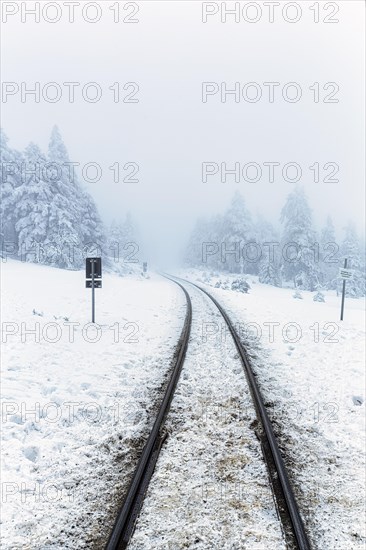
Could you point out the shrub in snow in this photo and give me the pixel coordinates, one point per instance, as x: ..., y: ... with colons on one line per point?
x: 222, y: 284
x: 297, y: 295
x: 39, y: 313
x: 240, y: 285
x: 357, y: 400
x: 319, y: 297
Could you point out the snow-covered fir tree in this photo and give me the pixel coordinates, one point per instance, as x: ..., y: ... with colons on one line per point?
x: 123, y: 240
x: 33, y: 199
x: 237, y: 231
x: 10, y: 163
x: 65, y: 233
x: 75, y: 226
x: 199, y: 236
x: 44, y: 209
x: 92, y: 227
x: 129, y: 229
x: 350, y: 249
x: 299, y: 254
x: 270, y: 260
x: 328, y: 256
x: 212, y: 244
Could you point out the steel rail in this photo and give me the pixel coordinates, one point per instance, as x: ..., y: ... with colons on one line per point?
x: 287, y: 507
x: 128, y: 513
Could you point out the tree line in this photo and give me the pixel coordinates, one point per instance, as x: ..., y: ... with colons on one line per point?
x: 46, y: 215
x: 298, y: 254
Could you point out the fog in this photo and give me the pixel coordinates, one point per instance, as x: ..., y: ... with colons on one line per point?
x: 170, y: 131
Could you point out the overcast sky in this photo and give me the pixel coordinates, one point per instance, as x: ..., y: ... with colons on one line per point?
x: 170, y: 131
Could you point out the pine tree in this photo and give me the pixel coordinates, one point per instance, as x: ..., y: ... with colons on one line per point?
x: 43, y: 207
x: 350, y: 249
x: 66, y: 211
x: 329, y: 256
x: 114, y: 240
x: 33, y: 199
x: 269, y: 263
x: 130, y: 245
x: 123, y: 240
x: 10, y: 162
x: 197, y: 240
x: 299, y: 262
x: 237, y: 231
x: 129, y: 230
x: 92, y: 228
x: 211, y: 246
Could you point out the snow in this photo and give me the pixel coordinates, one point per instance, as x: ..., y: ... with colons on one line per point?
x: 66, y: 465
x: 312, y: 377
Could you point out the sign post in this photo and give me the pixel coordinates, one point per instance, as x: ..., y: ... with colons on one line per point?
x: 93, y: 293
x: 345, y: 274
x: 93, y: 274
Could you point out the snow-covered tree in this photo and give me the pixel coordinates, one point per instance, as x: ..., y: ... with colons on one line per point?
x: 74, y: 219
x: 44, y: 210
x: 329, y: 256
x: 199, y: 236
x: 129, y: 229
x: 237, y: 231
x: 92, y: 228
x: 299, y: 261
x: 212, y: 243
x: 32, y: 205
x: 350, y: 249
x: 123, y: 240
x: 10, y: 162
x: 269, y: 263
x: 65, y: 232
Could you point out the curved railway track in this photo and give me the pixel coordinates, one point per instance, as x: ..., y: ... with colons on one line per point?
x: 287, y: 508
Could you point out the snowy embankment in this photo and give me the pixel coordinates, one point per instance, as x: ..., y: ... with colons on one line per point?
x: 76, y: 399
x: 310, y: 367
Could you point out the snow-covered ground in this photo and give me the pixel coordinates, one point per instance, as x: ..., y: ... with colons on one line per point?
x: 310, y: 368
x: 76, y: 412
x: 76, y: 400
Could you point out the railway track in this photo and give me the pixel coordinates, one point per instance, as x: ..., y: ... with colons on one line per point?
x: 287, y: 508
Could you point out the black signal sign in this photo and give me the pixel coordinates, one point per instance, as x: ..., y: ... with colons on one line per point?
x: 97, y: 262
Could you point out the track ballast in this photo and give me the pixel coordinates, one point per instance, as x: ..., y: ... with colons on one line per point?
x: 287, y: 508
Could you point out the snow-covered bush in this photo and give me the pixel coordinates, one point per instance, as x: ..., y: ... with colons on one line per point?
x: 319, y: 297
x: 225, y: 285
x: 240, y: 285
x: 297, y: 295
